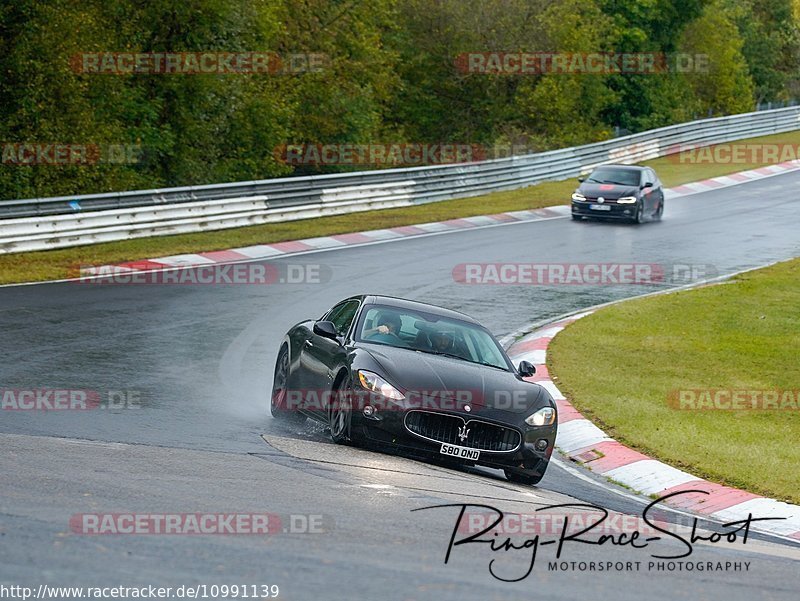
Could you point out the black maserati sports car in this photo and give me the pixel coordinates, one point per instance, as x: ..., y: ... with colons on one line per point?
x: 623, y: 192
x: 418, y: 379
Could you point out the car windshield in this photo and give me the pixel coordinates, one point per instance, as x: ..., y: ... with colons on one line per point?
x: 430, y: 333
x: 620, y: 177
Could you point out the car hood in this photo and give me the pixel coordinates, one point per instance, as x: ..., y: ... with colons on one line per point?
x: 607, y: 191
x: 426, y: 375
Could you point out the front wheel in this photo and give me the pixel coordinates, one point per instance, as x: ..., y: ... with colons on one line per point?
x: 660, y: 211
x: 278, y: 399
x: 340, y: 413
x: 639, y: 217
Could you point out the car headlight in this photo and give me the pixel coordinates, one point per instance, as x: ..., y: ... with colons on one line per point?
x: 374, y: 383
x: 544, y: 417
x: 627, y: 200
x: 578, y: 196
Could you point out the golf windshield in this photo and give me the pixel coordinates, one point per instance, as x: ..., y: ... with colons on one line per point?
x: 616, y: 176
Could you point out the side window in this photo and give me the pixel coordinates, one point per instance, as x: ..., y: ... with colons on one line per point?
x: 342, y: 315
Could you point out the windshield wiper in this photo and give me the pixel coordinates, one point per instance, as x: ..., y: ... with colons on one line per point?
x: 490, y: 365
x: 462, y: 359
x: 419, y: 350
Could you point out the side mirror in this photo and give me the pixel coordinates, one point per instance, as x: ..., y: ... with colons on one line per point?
x: 648, y: 185
x: 326, y: 329
x: 526, y: 369
x: 581, y: 179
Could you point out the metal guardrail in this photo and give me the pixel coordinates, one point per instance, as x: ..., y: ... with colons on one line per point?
x: 45, y: 223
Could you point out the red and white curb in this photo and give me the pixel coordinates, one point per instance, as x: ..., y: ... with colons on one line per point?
x: 583, y: 442
x: 269, y: 251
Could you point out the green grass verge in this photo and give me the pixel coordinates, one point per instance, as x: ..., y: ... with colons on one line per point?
x: 618, y: 367
x: 55, y: 264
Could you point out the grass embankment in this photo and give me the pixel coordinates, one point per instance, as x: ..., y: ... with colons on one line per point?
x: 55, y: 264
x: 622, y: 366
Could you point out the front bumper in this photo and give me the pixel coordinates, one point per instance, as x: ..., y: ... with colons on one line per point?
x: 387, y: 429
x: 615, y: 211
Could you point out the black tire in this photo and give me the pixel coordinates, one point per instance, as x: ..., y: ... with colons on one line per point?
x: 576, y: 217
x: 340, y: 414
x: 660, y: 211
x: 526, y: 479
x: 277, y: 403
x: 639, y: 217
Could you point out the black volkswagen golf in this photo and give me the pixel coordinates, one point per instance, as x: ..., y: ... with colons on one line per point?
x: 415, y: 377
x: 619, y: 192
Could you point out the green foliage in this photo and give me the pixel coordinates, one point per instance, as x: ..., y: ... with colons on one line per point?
x: 390, y: 76
x: 771, y: 45
x: 726, y: 87
x: 566, y: 109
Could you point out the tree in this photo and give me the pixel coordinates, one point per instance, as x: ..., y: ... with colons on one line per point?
x: 44, y: 102
x: 726, y: 87
x: 771, y: 45
x: 563, y: 109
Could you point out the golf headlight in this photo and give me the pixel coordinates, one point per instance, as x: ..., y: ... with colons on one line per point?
x: 374, y: 383
x: 544, y: 417
x: 627, y: 200
x: 578, y: 196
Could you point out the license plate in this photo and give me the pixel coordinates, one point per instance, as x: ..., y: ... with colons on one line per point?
x: 460, y: 452
x: 600, y: 207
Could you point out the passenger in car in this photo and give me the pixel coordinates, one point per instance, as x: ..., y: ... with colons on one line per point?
x: 445, y: 342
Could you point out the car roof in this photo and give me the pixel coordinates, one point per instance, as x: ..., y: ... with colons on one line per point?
x: 627, y: 167
x: 403, y: 303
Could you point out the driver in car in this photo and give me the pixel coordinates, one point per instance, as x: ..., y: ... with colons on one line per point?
x: 389, y: 325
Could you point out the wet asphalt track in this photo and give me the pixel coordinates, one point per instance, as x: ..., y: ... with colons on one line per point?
x: 201, y: 358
